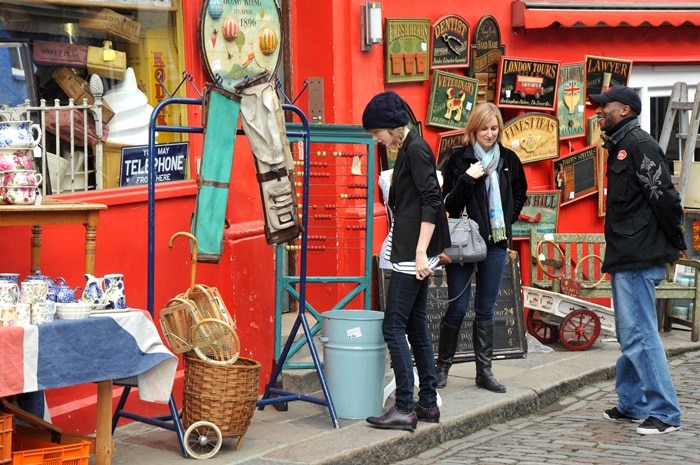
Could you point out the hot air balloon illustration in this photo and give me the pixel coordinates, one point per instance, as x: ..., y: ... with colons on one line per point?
x: 268, y: 40
x: 216, y: 8
x: 230, y: 28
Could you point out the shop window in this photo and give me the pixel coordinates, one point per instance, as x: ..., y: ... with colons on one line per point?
x: 96, y: 69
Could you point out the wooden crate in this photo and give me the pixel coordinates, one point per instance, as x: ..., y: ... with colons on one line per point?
x: 78, y: 89
x: 106, y: 62
x: 5, y: 438
x: 113, y: 24
x: 59, y: 53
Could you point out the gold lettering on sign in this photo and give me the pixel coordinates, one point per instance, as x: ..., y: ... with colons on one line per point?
x: 405, y: 29
x: 450, y: 24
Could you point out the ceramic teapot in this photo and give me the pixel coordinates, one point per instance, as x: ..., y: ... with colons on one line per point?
x: 40, y: 277
x: 94, y: 291
x: 62, y: 293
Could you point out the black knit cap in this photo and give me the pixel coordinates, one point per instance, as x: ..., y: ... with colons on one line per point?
x: 385, y: 111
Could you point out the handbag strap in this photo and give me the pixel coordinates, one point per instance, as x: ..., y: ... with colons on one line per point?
x: 469, y: 283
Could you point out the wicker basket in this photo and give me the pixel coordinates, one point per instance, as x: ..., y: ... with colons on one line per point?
x: 225, y: 395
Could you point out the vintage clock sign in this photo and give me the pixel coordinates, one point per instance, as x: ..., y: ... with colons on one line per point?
x: 238, y: 39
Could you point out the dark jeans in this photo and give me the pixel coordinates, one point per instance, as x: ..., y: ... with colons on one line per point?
x: 489, y: 273
x: 405, y: 315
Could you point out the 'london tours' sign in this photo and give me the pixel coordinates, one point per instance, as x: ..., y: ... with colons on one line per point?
x: 170, y: 164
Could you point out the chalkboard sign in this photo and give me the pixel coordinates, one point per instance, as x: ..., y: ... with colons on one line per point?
x: 509, y: 332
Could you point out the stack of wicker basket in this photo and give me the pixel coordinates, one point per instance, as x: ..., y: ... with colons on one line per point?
x: 222, y: 392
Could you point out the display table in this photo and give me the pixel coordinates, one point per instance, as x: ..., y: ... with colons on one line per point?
x: 97, y: 349
x: 52, y: 211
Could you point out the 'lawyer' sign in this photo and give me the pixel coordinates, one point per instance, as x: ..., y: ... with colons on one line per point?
x: 170, y: 164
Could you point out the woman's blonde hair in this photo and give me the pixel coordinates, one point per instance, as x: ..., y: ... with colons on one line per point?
x: 482, y: 114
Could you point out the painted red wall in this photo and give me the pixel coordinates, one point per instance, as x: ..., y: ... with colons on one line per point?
x: 325, y: 42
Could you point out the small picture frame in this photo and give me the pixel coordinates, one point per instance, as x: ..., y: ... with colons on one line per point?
x: 576, y: 175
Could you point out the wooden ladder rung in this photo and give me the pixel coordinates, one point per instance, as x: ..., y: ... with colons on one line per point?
x: 681, y: 105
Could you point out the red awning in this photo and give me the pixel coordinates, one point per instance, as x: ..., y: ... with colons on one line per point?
x: 536, y: 14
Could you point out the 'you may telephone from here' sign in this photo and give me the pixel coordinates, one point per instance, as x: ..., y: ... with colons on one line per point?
x: 170, y: 164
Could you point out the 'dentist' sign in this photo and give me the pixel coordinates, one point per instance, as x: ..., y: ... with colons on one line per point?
x: 170, y: 163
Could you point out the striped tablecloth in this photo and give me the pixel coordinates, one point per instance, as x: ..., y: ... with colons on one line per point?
x: 70, y: 352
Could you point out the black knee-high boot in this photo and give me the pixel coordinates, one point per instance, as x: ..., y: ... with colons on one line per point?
x: 483, y: 351
x: 447, y: 346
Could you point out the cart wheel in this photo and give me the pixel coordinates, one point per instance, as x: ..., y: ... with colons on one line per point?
x: 203, y: 440
x: 579, y: 330
x: 543, y: 332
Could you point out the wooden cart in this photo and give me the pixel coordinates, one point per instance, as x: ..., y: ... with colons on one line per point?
x: 577, y: 323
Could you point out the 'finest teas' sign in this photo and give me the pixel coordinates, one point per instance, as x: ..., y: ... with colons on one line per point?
x: 170, y: 163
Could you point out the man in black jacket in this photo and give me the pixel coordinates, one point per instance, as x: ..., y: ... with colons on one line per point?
x: 642, y: 234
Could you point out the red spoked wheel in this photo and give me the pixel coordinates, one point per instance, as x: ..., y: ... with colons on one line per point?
x: 543, y: 332
x: 579, y: 330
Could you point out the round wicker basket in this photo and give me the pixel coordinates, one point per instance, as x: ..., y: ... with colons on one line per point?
x: 225, y: 395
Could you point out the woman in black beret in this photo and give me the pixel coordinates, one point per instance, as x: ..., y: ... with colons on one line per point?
x: 417, y: 236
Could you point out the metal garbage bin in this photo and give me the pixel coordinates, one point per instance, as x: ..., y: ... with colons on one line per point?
x: 354, y: 360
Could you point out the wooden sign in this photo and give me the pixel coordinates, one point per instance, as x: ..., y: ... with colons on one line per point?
x: 509, y: 340
x: 605, y: 72
x: 446, y: 141
x: 533, y: 137
x: 576, y: 175
x: 406, y: 50
x: 594, y: 136
x: 527, y: 83
x: 486, y: 55
x: 540, y: 212
x: 450, y: 45
x: 452, y: 99
x: 571, y: 101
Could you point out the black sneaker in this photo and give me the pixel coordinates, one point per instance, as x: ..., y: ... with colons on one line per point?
x: 653, y: 425
x: 615, y: 415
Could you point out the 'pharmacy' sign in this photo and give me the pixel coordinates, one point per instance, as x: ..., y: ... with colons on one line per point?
x: 170, y: 163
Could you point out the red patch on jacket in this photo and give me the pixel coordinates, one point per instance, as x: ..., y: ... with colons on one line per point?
x: 622, y: 154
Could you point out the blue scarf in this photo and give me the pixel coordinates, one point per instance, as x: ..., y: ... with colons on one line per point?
x: 490, y: 161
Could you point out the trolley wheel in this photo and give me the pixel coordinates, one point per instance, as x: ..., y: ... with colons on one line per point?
x: 543, y: 332
x: 579, y: 330
x: 203, y: 440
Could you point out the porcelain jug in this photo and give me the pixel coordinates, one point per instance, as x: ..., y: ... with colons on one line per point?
x: 93, y: 292
x: 40, y: 277
x: 114, y: 290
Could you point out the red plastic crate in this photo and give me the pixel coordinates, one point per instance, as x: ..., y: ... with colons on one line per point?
x: 5, y: 438
x: 31, y: 451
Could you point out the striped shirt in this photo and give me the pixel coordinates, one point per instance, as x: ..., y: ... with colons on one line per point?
x: 408, y: 267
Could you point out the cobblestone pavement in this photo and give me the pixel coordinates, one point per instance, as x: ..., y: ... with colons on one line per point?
x: 573, y: 431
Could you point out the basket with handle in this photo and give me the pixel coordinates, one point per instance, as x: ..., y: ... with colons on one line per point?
x: 198, y: 321
x: 225, y: 395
